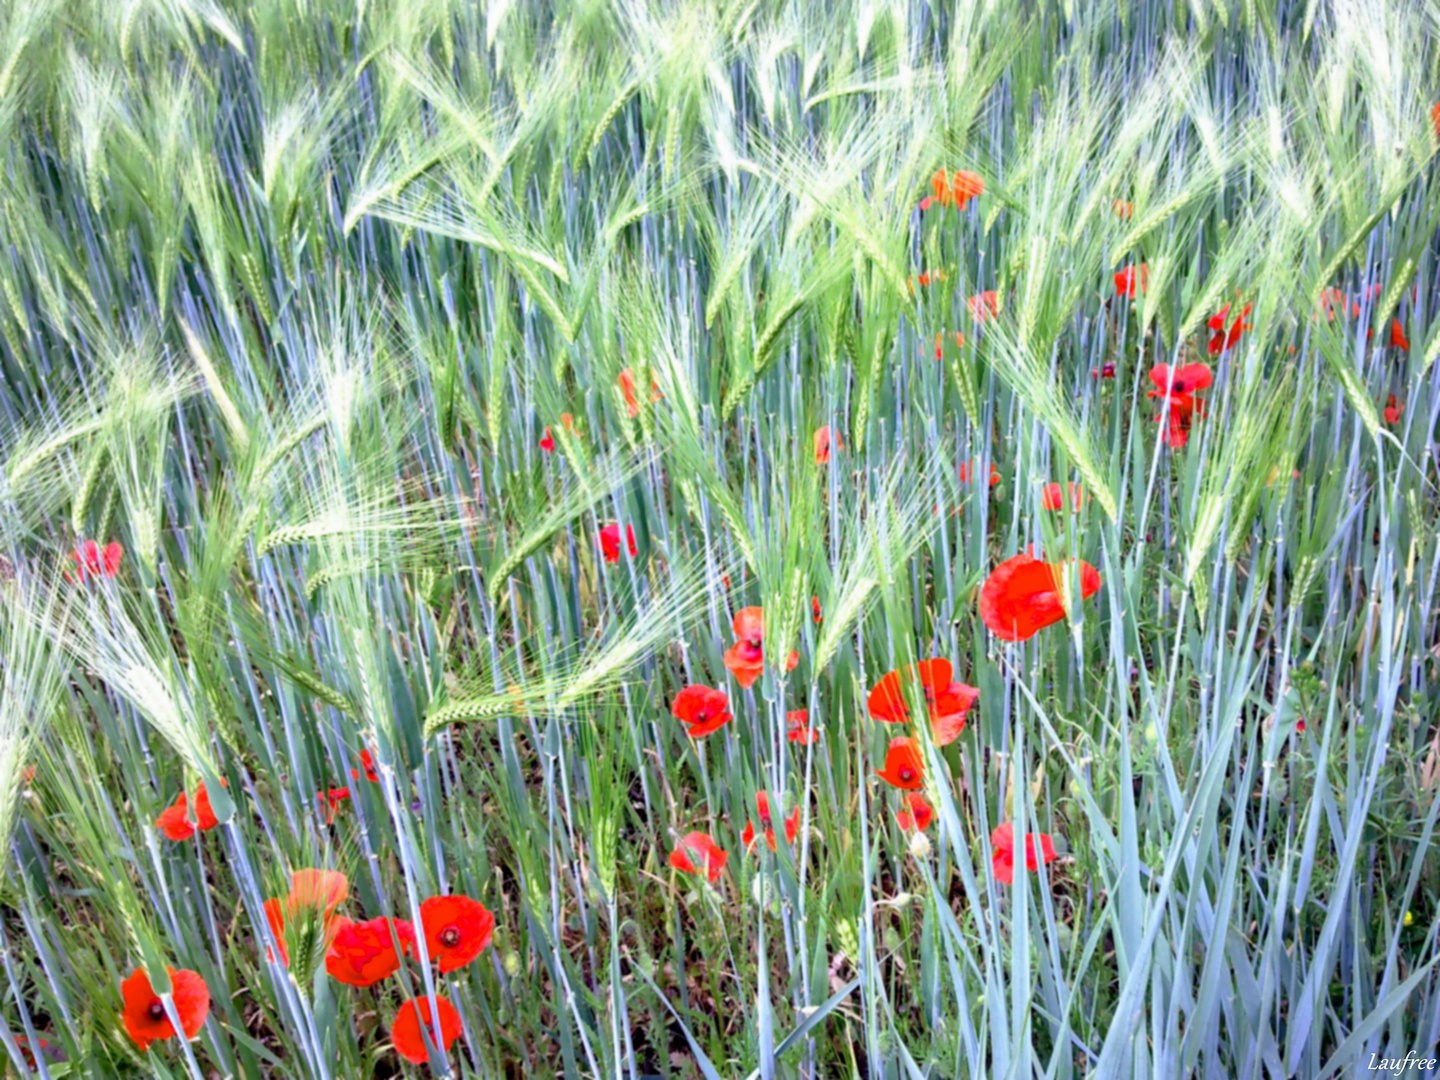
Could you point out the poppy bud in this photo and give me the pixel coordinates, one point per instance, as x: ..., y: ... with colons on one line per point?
x: 919, y: 845
x: 902, y: 900
x: 512, y: 963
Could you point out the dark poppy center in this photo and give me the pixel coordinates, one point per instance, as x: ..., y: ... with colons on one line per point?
x: 156, y: 1011
x: 929, y: 693
x: 753, y: 642
x: 701, y: 716
x: 450, y: 937
x: 906, y: 773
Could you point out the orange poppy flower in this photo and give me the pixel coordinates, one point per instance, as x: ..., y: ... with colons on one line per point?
x: 367, y: 762
x: 762, y: 804
x: 984, y: 306
x: 698, y: 854
x: 1398, y: 340
x: 822, y: 444
x: 547, y: 442
x: 610, y: 541
x: 947, y: 700
x: 925, y: 279
x: 1125, y: 281
x: 940, y: 342
x: 967, y: 469
x: 311, y: 891
x: 174, y: 821
x: 145, y: 1018
x: 1022, y: 596
x: 92, y: 559
x: 904, y: 768
x: 405, y: 1031
x: 627, y: 388
x: 797, y: 728
x: 568, y: 423
x: 457, y: 929
x: 323, y: 889
x: 1052, y: 499
x: 363, y: 953
x: 1220, y: 340
x: 703, y: 710
x: 957, y: 192
x: 1002, y: 841
x: 1123, y: 210
x: 918, y: 816
x: 1394, y: 409
x: 746, y: 658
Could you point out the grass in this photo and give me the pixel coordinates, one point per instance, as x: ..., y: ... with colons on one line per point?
x: 290, y: 295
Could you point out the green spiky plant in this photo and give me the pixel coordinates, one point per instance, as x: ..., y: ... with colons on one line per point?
x: 355, y: 325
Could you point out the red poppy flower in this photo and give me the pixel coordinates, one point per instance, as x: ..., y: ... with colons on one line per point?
x: 568, y: 423
x: 1435, y: 118
x: 797, y: 728
x: 405, y: 1031
x: 746, y: 658
x: 91, y: 558
x: 1002, y: 841
x: 367, y: 762
x: 1179, y: 405
x: 940, y: 342
x: 947, y: 700
x: 1220, y: 340
x: 334, y: 797
x: 918, y: 816
x: 1125, y: 281
x: 698, y: 854
x: 815, y: 607
x: 1052, y: 499
x: 1022, y: 596
x: 145, y: 1018
x: 627, y: 388
x: 1106, y: 371
x: 967, y: 469
x: 984, y: 306
x: 822, y: 444
x: 1398, y: 340
x: 904, y: 767
x: 925, y: 279
x: 1393, y: 410
x: 762, y: 804
x: 547, y: 442
x: 703, y: 710
x: 1333, y: 300
x: 456, y: 928
x: 49, y: 1051
x: 1123, y: 210
x: 174, y: 821
x: 1300, y: 726
x: 363, y: 953
x: 610, y: 541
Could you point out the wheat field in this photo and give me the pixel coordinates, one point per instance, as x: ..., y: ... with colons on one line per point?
x: 703, y: 538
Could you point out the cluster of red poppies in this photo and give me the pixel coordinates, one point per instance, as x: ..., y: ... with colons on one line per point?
x: 358, y: 953
x: 1020, y: 598
x: 456, y: 929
